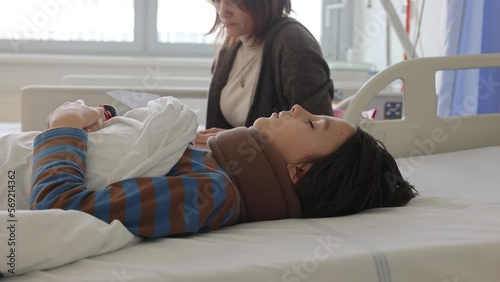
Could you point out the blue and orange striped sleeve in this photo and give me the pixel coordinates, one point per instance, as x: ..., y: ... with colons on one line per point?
x: 195, y: 196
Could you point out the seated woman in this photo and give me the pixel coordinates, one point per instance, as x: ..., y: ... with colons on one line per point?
x: 290, y: 165
x: 267, y: 63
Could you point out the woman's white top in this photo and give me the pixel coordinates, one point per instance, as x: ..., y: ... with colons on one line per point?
x: 237, y: 95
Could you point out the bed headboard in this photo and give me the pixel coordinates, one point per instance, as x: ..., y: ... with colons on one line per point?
x: 38, y: 101
x: 421, y: 131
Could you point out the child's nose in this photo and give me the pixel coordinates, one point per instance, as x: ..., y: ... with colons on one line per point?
x: 296, y: 109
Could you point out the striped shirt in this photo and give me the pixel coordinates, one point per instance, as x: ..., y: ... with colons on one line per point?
x: 196, y: 195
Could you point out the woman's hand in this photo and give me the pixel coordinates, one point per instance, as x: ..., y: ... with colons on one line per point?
x: 77, y: 114
x: 202, y: 136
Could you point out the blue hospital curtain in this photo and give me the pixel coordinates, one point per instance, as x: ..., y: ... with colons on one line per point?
x: 470, y: 27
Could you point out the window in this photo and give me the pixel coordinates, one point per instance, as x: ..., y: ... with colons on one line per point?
x: 70, y: 26
x: 338, y: 29
x: 86, y: 20
x: 191, y: 26
x: 308, y: 12
x: 131, y: 27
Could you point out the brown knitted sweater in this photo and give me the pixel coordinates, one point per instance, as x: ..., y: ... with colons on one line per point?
x: 293, y: 71
x: 256, y: 168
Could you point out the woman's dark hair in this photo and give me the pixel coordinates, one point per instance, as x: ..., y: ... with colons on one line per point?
x: 266, y: 13
x: 359, y: 175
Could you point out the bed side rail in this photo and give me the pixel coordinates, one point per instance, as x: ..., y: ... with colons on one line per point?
x: 421, y: 131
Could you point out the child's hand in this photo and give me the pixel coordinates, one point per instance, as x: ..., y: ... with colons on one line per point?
x: 78, y: 115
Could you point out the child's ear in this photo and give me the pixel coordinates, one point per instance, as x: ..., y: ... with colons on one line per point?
x: 297, y: 171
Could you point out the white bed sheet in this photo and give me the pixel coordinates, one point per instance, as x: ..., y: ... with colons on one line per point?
x: 9, y: 127
x: 451, y: 232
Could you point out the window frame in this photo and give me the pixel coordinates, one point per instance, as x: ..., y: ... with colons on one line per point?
x: 83, y: 47
x: 146, y: 40
x: 155, y: 47
x: 337, y: 29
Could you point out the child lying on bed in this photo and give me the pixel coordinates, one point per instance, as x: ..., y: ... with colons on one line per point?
x: 292, y: 164
x: 138, y: 143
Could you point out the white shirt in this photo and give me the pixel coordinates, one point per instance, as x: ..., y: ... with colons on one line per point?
x: 237, y: 95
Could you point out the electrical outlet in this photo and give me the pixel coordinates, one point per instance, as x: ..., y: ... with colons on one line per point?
x: 393, y: 110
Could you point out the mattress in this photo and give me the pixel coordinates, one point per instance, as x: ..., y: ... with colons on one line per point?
x: 450, y: 232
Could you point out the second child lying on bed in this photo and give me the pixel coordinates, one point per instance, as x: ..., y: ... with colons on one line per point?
x: 290, y: 165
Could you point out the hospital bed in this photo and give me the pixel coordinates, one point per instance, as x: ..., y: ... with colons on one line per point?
x: 156, y: 81
x: 449, y: 233
x: 38, y: 101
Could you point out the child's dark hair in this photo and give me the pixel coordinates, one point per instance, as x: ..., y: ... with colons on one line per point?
x: 359, y: 175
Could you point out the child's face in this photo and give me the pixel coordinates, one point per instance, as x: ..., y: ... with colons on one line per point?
x: 301, y: 136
